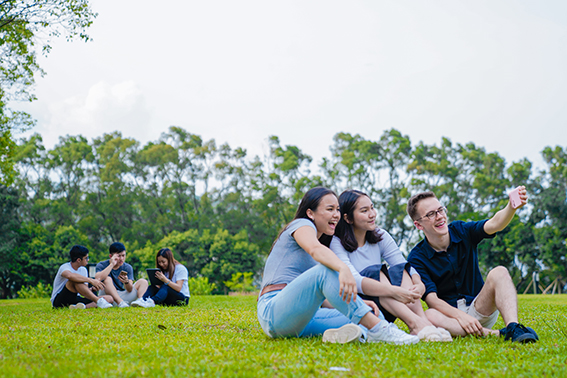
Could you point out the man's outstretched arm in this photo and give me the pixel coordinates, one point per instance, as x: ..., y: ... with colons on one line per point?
x: 502, y: 218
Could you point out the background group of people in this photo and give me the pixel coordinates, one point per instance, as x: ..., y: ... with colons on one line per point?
x: 332, y: 251
x: 113, y: 284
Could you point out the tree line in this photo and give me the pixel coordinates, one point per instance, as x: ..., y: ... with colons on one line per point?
x: 220, y: 210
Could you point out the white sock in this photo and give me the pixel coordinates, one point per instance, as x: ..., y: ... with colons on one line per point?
x: 379, y: 326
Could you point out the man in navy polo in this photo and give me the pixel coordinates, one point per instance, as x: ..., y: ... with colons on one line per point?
x: 458, y: 298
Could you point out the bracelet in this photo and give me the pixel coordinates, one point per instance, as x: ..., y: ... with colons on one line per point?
x: 167, y: 283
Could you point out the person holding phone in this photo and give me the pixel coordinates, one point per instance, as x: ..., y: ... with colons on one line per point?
x: 307, y: 290
x: 118, y: 277
x: 447, y: 260
x: 174, y: 291
x: 361, y: 245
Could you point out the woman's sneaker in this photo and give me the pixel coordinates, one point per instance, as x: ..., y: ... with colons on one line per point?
x: 346, y: 334
x: 391, y: 334
x: 78, y: 306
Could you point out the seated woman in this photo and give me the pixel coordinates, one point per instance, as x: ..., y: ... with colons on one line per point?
x: 295, y: 287
x: 361, y: 246
x: 174, y: 291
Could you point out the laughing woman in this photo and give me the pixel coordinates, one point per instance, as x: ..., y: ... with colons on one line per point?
x: 295, y: 288
x: 362, y: 246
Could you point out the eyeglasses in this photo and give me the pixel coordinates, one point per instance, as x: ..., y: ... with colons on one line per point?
x: 433, y: 214
x: 87, y: 257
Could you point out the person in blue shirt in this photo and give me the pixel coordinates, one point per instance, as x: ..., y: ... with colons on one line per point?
x: 447, y: 261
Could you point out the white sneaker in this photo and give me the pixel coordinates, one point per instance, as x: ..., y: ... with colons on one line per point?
x: 346, y: 334
x: 138, y: 303
x: 102, y: 303
x: 123, y: 304
x: 78, y: 306
x: 430, y: 333
x: 391, y: 334
x: 149, y: 303
x: 445, y: 335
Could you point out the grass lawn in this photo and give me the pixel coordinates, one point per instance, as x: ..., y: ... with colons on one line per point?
x: 220, y: 336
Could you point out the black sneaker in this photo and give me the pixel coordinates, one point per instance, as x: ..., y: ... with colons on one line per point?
x: 519, y: 333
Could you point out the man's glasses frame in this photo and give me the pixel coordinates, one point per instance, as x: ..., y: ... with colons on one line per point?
x: 433, y: 214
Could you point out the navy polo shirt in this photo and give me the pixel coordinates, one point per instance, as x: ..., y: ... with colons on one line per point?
x: 452, y: 274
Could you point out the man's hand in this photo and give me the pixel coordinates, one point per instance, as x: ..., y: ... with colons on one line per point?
x: 112, y: 260
x: 96, y: 284
x: 347, y: 289
x: 123, y: 278
x: 470, y: 325
x: 403, y: 295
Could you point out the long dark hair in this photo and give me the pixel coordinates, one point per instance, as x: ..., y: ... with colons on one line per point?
x: 310, y: 200
x: 345, y: 231
x: 171, y: 262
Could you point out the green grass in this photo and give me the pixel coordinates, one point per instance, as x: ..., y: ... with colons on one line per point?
x: 220, y: 336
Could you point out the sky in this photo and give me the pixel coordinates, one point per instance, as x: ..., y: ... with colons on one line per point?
x: 488, y: 72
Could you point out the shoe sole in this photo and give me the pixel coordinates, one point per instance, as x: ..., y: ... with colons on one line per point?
x: 346, y: 334
x: 525, y: 338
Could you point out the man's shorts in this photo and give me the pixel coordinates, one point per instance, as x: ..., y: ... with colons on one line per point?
x: 65, y: 298
x: 124, y: 295
x: 487, y: 321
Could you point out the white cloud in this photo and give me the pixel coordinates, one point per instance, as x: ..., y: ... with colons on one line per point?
x: 105, y: 108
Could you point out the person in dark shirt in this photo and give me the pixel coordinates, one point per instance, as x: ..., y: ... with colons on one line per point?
x: 458, y: 298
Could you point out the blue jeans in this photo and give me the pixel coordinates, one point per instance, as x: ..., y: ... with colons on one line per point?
x: 166, y: 295
x: 296, y: 310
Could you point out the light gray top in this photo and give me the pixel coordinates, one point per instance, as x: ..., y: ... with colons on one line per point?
x: 181, y: 274
x: 368, y: 255
x: 60, y: 281
x: 287, y: 259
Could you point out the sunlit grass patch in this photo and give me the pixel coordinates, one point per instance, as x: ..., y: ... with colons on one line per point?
x: 220, y: 336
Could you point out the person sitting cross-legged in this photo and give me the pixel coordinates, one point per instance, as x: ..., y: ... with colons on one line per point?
x: 72, y: 279
x: 118, y: 277
x: 447, y: 261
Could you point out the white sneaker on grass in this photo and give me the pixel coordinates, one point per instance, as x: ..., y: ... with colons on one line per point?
x: 346, y: 334
x: 102, y: 303
x: 138, y: 303
x: 149, y: 302
x: 123, y: 304
x: 391, y: 334
x: 78, y: 306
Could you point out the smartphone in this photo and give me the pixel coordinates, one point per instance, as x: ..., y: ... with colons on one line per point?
x: 124, y: 273
x: 515, y: 198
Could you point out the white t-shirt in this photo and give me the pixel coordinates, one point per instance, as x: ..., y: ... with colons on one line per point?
x: 368, y: 255
x: 60, y: 281
x: 181, y: 273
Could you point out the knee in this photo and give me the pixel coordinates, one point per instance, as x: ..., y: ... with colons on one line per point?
x: 141, y: 282
x: 498, y: 274
x: 434, y: 316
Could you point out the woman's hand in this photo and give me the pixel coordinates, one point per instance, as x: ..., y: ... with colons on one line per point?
x: 373, y: 306
x: 418, y: 288
x: 347, y: 289
x: 160, y: 276
x: 404, y: 295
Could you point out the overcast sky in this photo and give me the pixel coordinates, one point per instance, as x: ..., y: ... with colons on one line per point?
x: 489, y: 72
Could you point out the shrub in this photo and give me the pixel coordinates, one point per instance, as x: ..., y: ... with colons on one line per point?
x: 39, y: 291
x: 200, y: 286
x: 241, y: 282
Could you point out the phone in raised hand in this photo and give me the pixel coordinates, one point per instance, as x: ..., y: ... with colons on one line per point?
x: 515, y: 198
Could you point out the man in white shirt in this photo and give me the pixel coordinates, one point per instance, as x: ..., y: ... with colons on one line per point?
x: 72, y: 279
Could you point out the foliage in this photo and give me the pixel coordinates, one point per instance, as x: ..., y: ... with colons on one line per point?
x: 241, y: 282
x: 220, y: 336
x: 220, y: 210
x: 200, y: 286
x: 24, y: 24
x: 38, y: 291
